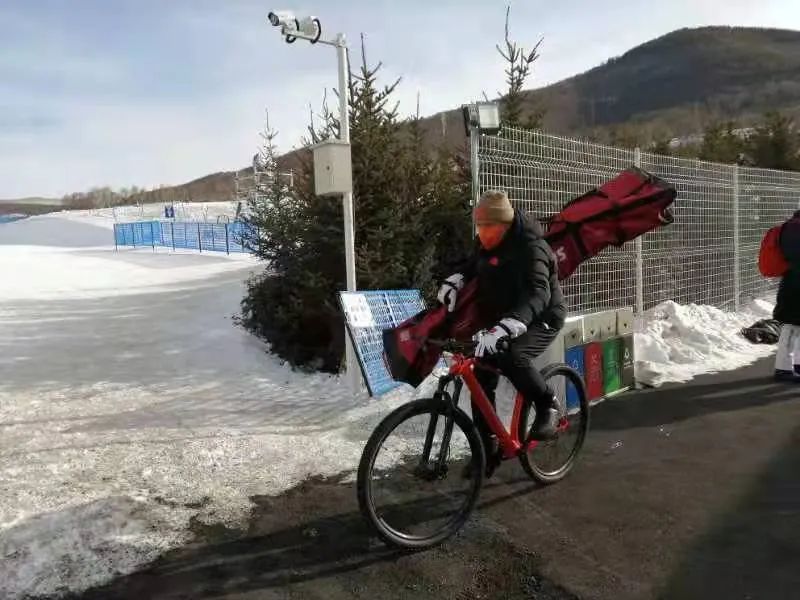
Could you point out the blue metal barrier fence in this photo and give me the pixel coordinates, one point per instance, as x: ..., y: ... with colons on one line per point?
x: 211, y: 237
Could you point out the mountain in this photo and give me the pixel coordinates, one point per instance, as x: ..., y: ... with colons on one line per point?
x: 681, y: 80
x: 33, y: 200
x: 219, y: 186
x: 671, y: 86
x: 29, y: 206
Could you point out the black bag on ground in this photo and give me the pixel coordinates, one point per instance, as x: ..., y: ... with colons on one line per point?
x: 765, y: 331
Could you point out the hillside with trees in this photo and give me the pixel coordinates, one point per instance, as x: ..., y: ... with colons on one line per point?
x: 671, y: 86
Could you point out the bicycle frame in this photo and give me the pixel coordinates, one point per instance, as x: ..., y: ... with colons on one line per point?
x: 463, y: 368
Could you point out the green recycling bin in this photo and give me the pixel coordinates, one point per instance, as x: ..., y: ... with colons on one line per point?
x: 626, y: 362
x: 612, y: 372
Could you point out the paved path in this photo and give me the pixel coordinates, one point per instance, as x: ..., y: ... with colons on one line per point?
x: 685, y: 492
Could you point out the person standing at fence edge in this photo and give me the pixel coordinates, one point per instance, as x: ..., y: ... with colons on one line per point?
x: 518, y: 289
x: 787, y: 305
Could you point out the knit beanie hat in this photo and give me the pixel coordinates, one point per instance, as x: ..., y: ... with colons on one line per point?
x: 493, y: 207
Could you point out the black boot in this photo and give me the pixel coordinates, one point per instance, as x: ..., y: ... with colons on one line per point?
x: 787, y: 376
x: 545, y: 426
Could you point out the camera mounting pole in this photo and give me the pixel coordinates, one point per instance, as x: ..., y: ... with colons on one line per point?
x: 310, y: 29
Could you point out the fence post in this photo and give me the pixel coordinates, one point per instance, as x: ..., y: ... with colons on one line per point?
x: 133, y: 234
x: 227, y: 245
x: 116, y: 245
x: 213, y: 238
x: 737, y: 250
x: 172, y: 233
x: 199, y: 239
x: 637, y: 161
x: 474, y: 167
x: 152, y: 236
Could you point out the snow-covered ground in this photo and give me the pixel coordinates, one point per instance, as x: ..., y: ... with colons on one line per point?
x: 130, y: 403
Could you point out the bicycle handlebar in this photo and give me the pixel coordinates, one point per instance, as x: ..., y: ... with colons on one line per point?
x: 453, y: 345
x: 461, y: 347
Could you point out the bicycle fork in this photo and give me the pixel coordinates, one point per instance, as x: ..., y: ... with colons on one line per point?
x: 439, y: 469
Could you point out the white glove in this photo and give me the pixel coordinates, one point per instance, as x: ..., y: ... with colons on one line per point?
x: 488, y: 340
x: 449, y: 291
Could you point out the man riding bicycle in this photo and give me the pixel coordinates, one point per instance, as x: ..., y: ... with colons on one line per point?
x: 518, y: 289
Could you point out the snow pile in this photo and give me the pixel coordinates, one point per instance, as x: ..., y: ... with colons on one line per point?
x: 675, y: 343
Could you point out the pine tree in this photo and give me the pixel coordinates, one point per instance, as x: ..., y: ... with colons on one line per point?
x: 721, y: 143
x: 437, y: 188
x: 775, y: 143
x: 403, y: 200
x: 518, y: 69
x: 448, y: 215
x: 661, y: 146
x: 377, y: 150
x: 299, y: 236
x: 272, y: 211
x: 625, y: 135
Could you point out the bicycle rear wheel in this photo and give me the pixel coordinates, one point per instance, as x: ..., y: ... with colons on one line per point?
x: 550, y: 461
x: 411, y: 483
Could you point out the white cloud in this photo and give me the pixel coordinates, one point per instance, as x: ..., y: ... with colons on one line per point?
x: 151, y: 93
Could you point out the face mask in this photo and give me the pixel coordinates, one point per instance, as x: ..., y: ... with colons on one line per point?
x: 491, y: 235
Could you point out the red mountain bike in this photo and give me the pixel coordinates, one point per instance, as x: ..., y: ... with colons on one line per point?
x: 433, y: 443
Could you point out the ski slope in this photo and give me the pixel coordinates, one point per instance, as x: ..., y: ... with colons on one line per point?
x: 130, y: 403
x: 210, y: 212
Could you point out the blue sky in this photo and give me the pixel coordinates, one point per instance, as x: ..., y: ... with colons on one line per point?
x: 149, y: 92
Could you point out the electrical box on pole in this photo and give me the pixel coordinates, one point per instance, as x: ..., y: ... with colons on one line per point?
x: 333, y: 173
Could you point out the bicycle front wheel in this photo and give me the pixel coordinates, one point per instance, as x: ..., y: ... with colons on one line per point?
x: 420, y: 474
x: 550, y: 461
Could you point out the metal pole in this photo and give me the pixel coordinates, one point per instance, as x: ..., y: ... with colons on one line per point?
x: 227, y: 244
x: 474, y: 168
x: 737, y: 276
x: 347, y: 207
x: 637, y: 161
x: 172, y: 231
x: 199, y: 240
x: 116, y: 245
x: 152, y: 237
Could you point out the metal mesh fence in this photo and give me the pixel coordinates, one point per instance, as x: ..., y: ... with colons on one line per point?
x: 693, y: 260
x: 541, y: 173
x: 211, y: 237
x: 766, y: 198
x: 708, y: 256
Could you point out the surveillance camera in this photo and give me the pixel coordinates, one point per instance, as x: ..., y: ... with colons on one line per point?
x: 311, y: 27
x: 282, y: 17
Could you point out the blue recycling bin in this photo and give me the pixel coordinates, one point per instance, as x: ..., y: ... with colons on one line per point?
x: 575, y: 358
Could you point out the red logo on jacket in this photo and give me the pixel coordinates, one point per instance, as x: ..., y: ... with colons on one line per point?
x: 494, y: 261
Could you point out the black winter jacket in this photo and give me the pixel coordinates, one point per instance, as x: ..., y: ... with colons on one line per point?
x: 787, y: 306
x: 519, y: 278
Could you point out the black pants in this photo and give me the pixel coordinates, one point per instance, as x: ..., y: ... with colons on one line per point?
x: 517, y: 365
